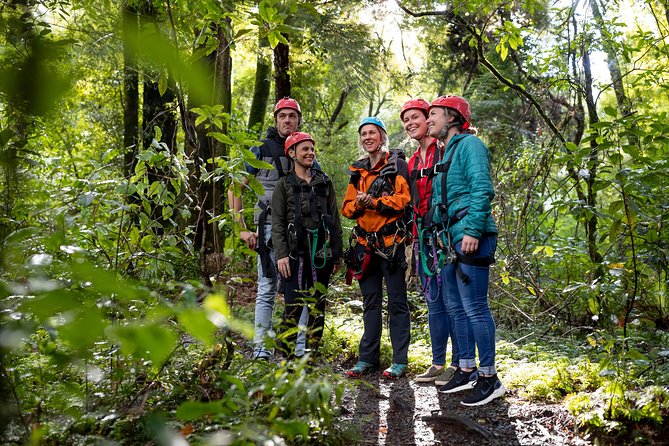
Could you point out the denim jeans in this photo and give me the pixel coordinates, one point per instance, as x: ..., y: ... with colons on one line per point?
x: 267, y: 289
x: 438, y: 319
x: 371, y: 287
x: 473, y: 324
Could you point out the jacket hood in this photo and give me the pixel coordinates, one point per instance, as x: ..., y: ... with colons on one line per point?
x: 273, y: 133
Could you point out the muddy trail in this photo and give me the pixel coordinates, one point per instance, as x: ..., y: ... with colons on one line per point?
x: 403, y: 412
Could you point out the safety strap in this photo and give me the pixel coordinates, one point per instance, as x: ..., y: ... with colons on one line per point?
x: 318, y: 213
x: 261, y: 247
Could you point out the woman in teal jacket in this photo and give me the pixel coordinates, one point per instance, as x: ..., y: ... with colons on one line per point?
x: 461, y: 194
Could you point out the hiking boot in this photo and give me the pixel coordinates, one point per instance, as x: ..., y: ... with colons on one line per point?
x: 487, y: 388
x: 445, y: 376
x: 429, y: 375
x: 395, y: 371
x: 461, y: 381
x: 360, y: 369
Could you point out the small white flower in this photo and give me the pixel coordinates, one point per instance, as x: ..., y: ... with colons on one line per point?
x: 595, y: 317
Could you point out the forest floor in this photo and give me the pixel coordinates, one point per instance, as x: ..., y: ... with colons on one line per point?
x: 405, y: 413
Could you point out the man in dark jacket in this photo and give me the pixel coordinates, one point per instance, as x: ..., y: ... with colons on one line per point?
x: 287, y: 119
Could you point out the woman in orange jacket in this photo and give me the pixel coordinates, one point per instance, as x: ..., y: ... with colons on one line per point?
x: 376, y: 197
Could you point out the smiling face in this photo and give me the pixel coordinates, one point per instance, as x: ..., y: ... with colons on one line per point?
x: 415, y: 123
x: 370, y: 138
x: 303, y: 153
x: 436, y: 121
x: 286, y: 120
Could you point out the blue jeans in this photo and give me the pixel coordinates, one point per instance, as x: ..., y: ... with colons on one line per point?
x: 267, y: 288
x: 473, y: 324
x: 438, y: 319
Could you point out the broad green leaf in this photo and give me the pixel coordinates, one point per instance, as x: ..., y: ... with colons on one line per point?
x: 147, y: 242
x: 292, y: 428
x: 611, y: 111
x: 86, y: 199
x: 162, y: 83
x: 503, y: 51
x: 222, y: 137
x: 87, y: 328
x: 51, y: 303
x: 139, y: 340
x: 167, y: 212
x: 273, y: 39
x: 102, y: 281
x: 194, y: 410
x: 217, y: 303
x: 196, y: 323
x: 571, y: 146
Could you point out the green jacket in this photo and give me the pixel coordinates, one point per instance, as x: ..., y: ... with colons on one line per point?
x: 318, y: 193
x: 468, y: 186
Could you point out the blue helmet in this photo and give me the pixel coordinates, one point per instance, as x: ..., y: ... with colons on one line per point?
x: 373, y: 120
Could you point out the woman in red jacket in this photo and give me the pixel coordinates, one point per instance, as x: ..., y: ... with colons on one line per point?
x: 414, y: 115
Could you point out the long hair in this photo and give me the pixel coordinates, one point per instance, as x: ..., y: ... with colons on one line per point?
x: 459, y: 121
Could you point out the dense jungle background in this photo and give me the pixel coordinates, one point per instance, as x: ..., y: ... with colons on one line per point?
x: 127, y: 297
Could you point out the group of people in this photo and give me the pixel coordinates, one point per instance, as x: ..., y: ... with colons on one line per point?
x: 439, y: 203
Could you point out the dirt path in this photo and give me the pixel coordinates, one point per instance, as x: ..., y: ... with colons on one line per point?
x: 403, y: 413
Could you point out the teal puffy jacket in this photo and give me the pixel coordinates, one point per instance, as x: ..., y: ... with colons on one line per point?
x: 468, y: 186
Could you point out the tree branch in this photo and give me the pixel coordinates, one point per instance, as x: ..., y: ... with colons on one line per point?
x: 450, y: 15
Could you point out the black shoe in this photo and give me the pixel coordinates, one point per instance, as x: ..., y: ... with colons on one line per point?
x: 461, y: 381
x: 487, y: 388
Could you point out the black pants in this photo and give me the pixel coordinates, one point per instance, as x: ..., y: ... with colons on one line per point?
x: 371, y: 287
x: 296, y: 295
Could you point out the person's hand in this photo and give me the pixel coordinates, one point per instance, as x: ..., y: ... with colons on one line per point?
x: 364, y: 200
x: 469, y: 245
x: 250, y: 238
x: 283, y: 265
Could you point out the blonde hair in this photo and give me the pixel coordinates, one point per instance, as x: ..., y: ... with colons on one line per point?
x: 383, y: 145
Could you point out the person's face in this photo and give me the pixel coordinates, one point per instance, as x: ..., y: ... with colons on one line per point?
x: 415, y: 123
x: 436, y: 121
x: 287, y: 121
x: 303, y: 153
x: 370, y: 137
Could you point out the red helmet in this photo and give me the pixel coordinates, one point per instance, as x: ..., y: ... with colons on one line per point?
x: 456, y: 103
x: 295, y: 138
x: 287, y: 102
x: 418, y: 103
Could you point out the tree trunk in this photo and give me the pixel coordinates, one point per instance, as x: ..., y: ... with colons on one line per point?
x: 593, y: 164
x: 623, y: 102
x: 130, y: 88
x: 208, y: 239
x: 281, y: 76
x: 262, y: 87
x: 157, y: 112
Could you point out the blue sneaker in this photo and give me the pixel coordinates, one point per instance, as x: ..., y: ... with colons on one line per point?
x: 360, y: 369
x: 461, y: 381
x: 487, y: 388
x: 395, y: 371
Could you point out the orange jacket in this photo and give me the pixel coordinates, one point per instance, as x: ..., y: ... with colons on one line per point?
x: 385, y: 209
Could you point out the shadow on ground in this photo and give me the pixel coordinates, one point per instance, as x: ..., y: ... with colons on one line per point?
x: 405, y: 413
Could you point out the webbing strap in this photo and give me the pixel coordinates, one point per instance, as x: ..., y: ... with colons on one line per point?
x: 262, y: 248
